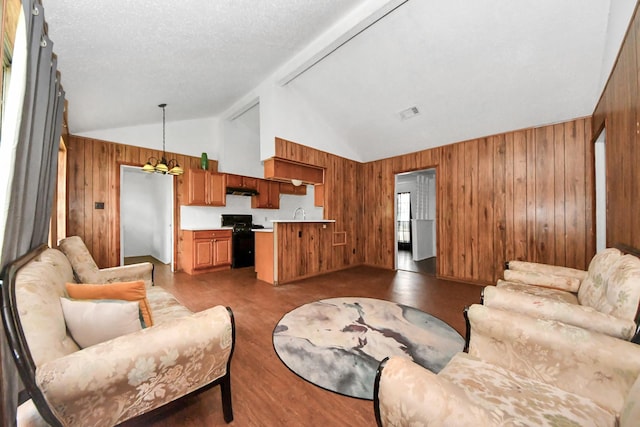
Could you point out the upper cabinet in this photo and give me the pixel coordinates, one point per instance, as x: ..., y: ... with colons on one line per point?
x: 244, y: 182
x: 289, y: 188
x: 268, y: 195
x: 318, y: 195
x: 285, y: 170
x: 205, y: 188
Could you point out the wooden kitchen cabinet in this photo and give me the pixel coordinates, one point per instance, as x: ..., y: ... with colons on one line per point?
x: 268, y: 195
x: 240, y: 181
x: 318, y: 195
x: 285, y: 170
x: 206, y: 250
x: 288, y: 188
x: 205, y: 188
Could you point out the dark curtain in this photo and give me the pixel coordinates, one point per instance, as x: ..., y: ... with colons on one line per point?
x: 32, y: 180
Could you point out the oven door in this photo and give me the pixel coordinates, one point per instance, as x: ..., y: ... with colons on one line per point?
x: 242, y: 246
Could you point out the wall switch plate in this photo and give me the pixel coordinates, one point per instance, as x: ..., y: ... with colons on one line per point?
x: 99, y: 205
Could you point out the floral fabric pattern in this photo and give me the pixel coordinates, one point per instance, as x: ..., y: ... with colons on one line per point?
x: 576, y: 360
x: 39, y: 306
x: 555, y: 305
x: 607, y: 299
x: 514, y: 399
x: 108, y: 383
x: 538, y: 291
x: 111, y: 382
x: 165, y: 306
x: 520, y: 371
x: 547, y: 269
x: 565, y: 283
x: 619, y: 291
x: 86, y: 270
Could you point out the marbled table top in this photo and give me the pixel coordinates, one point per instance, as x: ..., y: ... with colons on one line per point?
x: 338, y: 343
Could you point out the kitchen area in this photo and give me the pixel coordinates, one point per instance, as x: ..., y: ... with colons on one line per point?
x: 272, y: 225
x: 264, y: 214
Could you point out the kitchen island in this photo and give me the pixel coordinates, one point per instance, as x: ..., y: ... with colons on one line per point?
x: 293, y: 249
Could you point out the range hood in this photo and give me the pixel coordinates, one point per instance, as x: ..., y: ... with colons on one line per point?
x: 235, y: 191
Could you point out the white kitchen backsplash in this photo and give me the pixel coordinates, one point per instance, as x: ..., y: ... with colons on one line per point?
x: 202, y: 217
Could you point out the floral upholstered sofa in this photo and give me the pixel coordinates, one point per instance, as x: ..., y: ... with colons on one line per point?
x: 605, y: 298
x: 106, y: 383
x: 86, y: 271
x: 518, y: 371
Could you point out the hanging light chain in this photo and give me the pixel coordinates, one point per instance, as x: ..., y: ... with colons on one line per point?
x: 163, y: 126
x: 162, y: 165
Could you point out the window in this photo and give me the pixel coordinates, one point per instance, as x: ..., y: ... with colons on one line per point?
x: 403, y: 219
x: 10, y: 13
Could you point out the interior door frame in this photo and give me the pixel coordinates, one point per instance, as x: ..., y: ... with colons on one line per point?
x: 438, y: 200
x: 600, y: 187
x: 174, y: 216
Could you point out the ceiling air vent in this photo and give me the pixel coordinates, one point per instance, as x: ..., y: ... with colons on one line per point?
x: 409, y: 113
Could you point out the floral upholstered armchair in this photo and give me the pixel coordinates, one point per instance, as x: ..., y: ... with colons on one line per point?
x: 86, y: 270
x: 74, y: 375
x: 518, y: 371
x: 606, y: 298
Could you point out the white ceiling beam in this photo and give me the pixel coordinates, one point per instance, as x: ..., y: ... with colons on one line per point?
x: 336, y: 36
x: 348, y: 27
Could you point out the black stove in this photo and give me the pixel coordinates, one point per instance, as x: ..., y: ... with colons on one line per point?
x: 242, y: 240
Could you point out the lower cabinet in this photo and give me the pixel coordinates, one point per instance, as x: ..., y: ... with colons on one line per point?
x: 206, y: 250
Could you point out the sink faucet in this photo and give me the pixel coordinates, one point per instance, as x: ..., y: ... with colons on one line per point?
x: 295, y: 213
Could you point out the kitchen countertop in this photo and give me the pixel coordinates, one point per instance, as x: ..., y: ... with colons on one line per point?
x: 303, y: 220
x: 262, y: 230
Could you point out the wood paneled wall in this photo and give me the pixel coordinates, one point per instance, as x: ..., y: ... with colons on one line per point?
x: 619, y: 112
x: 342, y: 201
x: 304, y: 250
x: 521, y: 195
x: 524, y: 195
x: 93, y: 175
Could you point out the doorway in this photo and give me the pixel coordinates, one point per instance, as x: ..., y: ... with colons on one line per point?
x: 415, y: 208
x: 146, y: 216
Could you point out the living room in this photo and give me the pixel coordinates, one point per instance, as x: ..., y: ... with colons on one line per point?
x: 521, y: 192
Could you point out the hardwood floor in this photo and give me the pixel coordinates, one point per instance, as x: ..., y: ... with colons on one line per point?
x: 406, y: 263
x: 265, y: 392
x: 145, y: 258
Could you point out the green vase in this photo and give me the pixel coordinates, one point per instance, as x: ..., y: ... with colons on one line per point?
x: 204, y: 161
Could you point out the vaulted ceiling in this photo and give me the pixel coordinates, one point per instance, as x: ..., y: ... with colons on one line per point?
x: 470, y: 68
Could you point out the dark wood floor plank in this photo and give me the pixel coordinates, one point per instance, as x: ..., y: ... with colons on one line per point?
x: 265, y: 392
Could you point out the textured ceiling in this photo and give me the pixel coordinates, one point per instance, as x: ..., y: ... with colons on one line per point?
x: 472, y: 68
x: 120, y: 58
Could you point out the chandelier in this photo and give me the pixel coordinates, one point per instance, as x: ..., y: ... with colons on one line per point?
x: 163, y: 166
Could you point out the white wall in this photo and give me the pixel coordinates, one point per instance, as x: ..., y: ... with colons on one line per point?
x: 146, y: 214
x: 285, y: 113
x: 240, y: 150
x: 190, y: 137
x: 201, y: 217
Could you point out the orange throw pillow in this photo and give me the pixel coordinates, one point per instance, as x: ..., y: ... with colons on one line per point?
x: 128, y: 291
